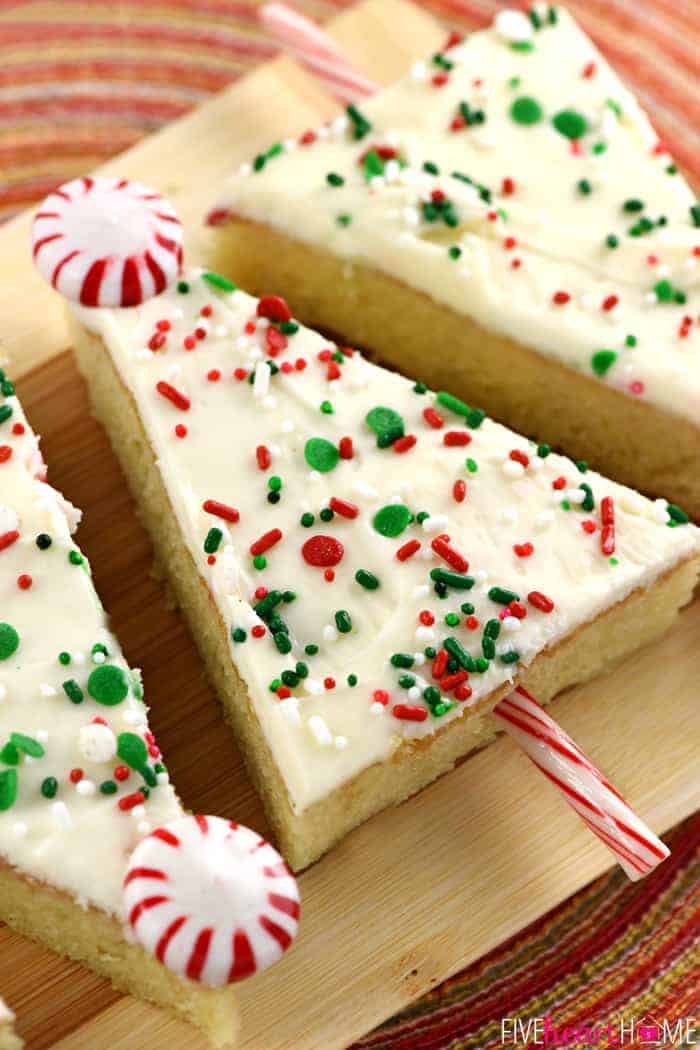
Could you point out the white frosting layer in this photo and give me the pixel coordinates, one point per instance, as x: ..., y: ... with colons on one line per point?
x: 542, y: 228
x: 74, y: 837
x: 6, y: 1015
x: 213, y: 431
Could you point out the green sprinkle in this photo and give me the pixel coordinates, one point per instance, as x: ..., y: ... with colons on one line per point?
x: 451, y: 619
x: 386, y: 424
x: 361, y: 126
x: 326, y: 514
x: 8, y: 788
x: 695, y: 214
x: 367, y: 579
x: 632, y: 205
x: 584, y: 187
x: 612, y: 241
x: 311, y: 649
x: 511, y: 657
x: 613, y: 561
x: 9, y: 641
x: 471, y: 465
x: 460, y: 408
x: 404, y: 660
x: 343, y: 621
x: 75, y: 558
x: 73, y: 691
x: 373, y: 165
x: 108, y: 685
x: 352, y: 680
x: 218, y: 281
x: 49, y: 787
x: 488, y: 647
x: 420, y: 388
x: 664, y: 291
x: 454, y: 251
x: 132, y: 750
x: 259, y: 162
x: 630, y: 340
x: 406, y: 681
x: 344, y: 219
x: 238, y: 635
x: 543, y: 451
x: 213, y: 540
x: 307, y: 519
x: 588, y: 502
x: 27, y: 744
x: 282, y: 642
x: 458, y: 580
x: 677, y: 514
x: 183, y: 287
x: 503, y: 596
x: 492, y: 629
x: 392, y: 519
x: 274, y: 483
x: 431, y: 695
x: 522, y: 45
x: 290, y: 678
x: 10, y: 755
x: 327, y: 408
x: 565, y: 505
x: 321, y: 455
x: 456, y: 649
x: 333, y: 179
x: 570, y: 123
x: 108, y: 787
x: 5, y: 413
x: 602, y: 360
x: 526, y: 110
x: 259, y: 562
x: 467, y: 608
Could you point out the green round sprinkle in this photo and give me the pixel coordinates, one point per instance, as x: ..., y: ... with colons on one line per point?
x: 326, y: 514
x: 612, y: 241
x: 631, y: 340
x: 108, y: 787
x: 584, y: 187
x: 9, y: 641
x: 431, y: 695
x: 311, y: 649
x: 406, y: 681
x: 238, y: 634
x: 526, y: 110
x: 183, y: 287
x: 333, y: 179
x: 343, y: 621
x: 290, y: 678
x: 633, y: 204
x: 386, y: 424
x: 327, y: 408
x: 274, y: 483
x: 452, y: 619
x: 49, y: 787
x: 75, y: 558
x: 8, y: 788
x: 602, y: 360
x: 307, y: 520
x: 472, y: 466
x: 454, y: 251
x: 543, y: 451
x: 420, y: 388
x: 467, y: 608
x: 64, y: 658
x: 352, y: 680
x: 321, y: 455
x: 302, y: 669
x: 274, y: 685
x: 367, y: 579
x: 260, y: 562
x: 511, y: 657
x: 344, y: 219
x: 392, y: 519
x: 108, y: 685
x: 570, y: 123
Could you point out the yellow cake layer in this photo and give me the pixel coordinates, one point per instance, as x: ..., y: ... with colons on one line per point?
x: 630, y: 441
x: 95, y: 938
x: 303, y: 837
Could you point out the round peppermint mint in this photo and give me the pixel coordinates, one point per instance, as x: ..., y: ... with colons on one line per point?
x: 108, y: 685
x: 9, y: 641
x: 321, y: 455
x: 392, y: 519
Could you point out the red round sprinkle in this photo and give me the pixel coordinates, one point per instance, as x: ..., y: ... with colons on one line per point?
x: 517, y: 609
x: 258, y: 631
x: 463, y: 692
x: 283, y: 692
x: 610, y: 302
x: 589, y: 526
x: 329, y: 683
x: 588, y: 70
x: 189, y: 342
x: 329, y: 575
x: 5, y: 453
x: 426, y: 617
x: 439, y: 80
x: 18, y: 428
x: 345, y: 448
x: 509, y: 243
x: 206, y: 311
x: 24, y: 581
x: 472, y: 623
x: 322, y: 551
x: 211, y: 559
x: 213, y: 375
x: 274, y: 307
x: 181, y: 430
x: 240, y: 374
x: 561, y: 298
x: 523, y: 550
x: 307, y: 138
x: 260, y: 593
x: 507, y: 186
x: 333, y: 371
x: 122, y: 773
x: 380, y: 696
x: 276, y: 341
x: 75, y: 775
x: 559, y: 483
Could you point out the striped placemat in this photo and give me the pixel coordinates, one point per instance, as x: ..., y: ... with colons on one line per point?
x: 81, y: 81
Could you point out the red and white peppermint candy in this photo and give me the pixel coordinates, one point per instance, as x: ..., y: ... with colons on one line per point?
x: 212, y: 900
x: 107, y: 242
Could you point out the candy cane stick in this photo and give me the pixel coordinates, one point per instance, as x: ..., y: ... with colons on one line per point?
x: 316, y: 50
x: 583, y: 786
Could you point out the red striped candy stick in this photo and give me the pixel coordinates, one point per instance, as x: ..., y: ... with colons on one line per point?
x: 583, y: 786
x: 315, y: 50
x: 212, y: 900
x: 600, y: 806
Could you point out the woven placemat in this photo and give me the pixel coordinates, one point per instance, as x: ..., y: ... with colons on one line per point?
x: 80, y: 81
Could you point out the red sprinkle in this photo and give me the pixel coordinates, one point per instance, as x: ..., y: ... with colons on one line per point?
x: 221, y: 510
x: 262, y: 455
x: 408, y: 550
x: 607, y: 532
x: 267, y: 540
x: 588, y: 70
x: 451, y: 681
x: 589, y: 526
x: 131, y: 801
x: 24, y: 581
x: 322, y: 551
x: 610, y: 302
x: 508, y: 187
x: 283, y: 692
x: 167, y: 391
x: 409, y: 712
x: 5, y: 453
x: 426, y: 617
x: 258, y: 631
x: 433, y: 418
x: 561, y: 298
x: 442, y: 548
x: 18, y: 428
x: 471, y: 623
x: 122, y: 773
x: 463, y: 692
x: 181, y: 430
x: 345, y: 448
x: 276, y: 341
x: 519, y: 457
x: 380, y: 696
x: 75, y: 776
x: 459, y: 491
x: 213, y: 375
x: 439, y: 80
x: 516, y: 609
x: 329, y: 683
x: 540, y: 601
x: 405, y: 443
x: 8, y: 538
x: 523, y: 550
x: 343, y: 507
x: 440, y: 663
x: 307, y: 138
x: 559, y: 483
x: 274, y: 307
x: 457, y: 438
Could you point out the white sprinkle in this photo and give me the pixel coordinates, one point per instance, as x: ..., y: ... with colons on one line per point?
x: 242, y: 343
x: 245, y: 169
x: 411, y: 217
x: 341, y: 742
x: 420, y: 591
x: 221, y: 331
x: 163, y: 777
x: 414, y: 693
x: 138, y: 812
x: 98, y: 657
x: 133, y: 718
x: 97, y: 743
x: 419, y: 659
x: 144, y: 827
x: 510, y: 623
x: 60, y: 814
x: 3, y: 691
x: 513, y: 26
x: 435, y: 523
x: 47, y: 690
x: 329, y: 633
x: 376, y: 708
x: 339, y: 126
x: 576, y: 496
x: 313, y: 687
x: 419, y: 71
x: 86, y: 788
x: 320, y: 730
x: 512, y: 469
x: 424, y: 634
x: 361, y: 488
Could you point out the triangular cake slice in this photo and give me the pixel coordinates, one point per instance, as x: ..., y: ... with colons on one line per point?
x: 502, y: 222
x: 82, y: 781
x: 9, y: 1040
x: 366, y: 565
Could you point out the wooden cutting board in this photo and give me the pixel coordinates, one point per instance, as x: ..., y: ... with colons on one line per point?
x: 419, y: 891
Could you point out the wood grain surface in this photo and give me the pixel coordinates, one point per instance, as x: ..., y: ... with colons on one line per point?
x: 421, y: 890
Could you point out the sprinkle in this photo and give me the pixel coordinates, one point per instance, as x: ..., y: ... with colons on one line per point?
x: 607, y: 532
x: 169, y: 392
x: 408, y: 550
x: 367, y: 579
x: 265, y: 542
x: 409, y: 712
x: 221, y: 510
x: 322, y: 551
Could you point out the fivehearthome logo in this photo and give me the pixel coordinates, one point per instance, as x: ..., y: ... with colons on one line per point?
x: 647, y: 1032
